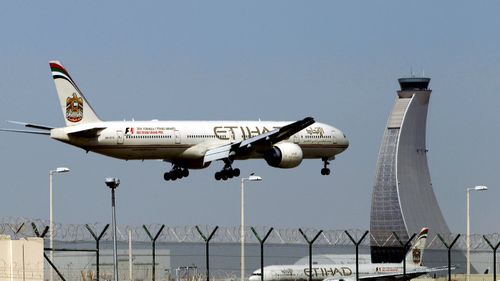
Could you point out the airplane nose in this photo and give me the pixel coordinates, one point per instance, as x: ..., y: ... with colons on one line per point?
x: 342, y: 140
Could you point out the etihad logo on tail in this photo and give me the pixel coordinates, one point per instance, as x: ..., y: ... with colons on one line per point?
x: 416, y: 253
x: 74, y: 108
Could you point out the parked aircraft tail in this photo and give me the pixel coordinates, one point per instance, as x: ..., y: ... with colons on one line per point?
x: 416, y: 253
x: 75, y: 107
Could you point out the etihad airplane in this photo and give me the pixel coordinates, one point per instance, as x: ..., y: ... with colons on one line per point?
x: 188, y: 144
x: 347, y: 272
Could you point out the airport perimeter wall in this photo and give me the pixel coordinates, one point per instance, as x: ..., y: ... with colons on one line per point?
x: 21, y: 259
x: 180, y: 251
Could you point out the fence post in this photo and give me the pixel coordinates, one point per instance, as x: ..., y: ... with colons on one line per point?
x: 16, y: 230
x: 153, y: 246
x: 405, y: 249
x: 261, y: 241
x: 449, y: 252
x: 357, y: 243
x: 35, y: 230
x: 494, y: 248
x: 207, y: 241
x: 310, y: 249
x: 42, y: 235
x: 97, y: 240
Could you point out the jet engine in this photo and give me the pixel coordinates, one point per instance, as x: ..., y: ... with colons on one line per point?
x: 284, y: 155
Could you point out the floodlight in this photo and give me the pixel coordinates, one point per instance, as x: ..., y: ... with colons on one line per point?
x: 112, y: 182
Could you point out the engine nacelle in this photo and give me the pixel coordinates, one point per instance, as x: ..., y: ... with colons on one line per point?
x: 284, y: 155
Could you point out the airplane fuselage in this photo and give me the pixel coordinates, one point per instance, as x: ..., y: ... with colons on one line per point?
x: 187, y: 141
x: 188, y: 144
x: 331, y: 271
x: 348, y: 271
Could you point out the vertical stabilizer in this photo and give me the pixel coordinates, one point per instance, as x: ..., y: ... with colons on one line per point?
x: 414, y: 256
x: 75, y: 107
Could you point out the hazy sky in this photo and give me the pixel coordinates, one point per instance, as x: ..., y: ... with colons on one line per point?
x: 274, y: 60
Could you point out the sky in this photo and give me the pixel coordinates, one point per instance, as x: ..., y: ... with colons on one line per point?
x: 337, y: 61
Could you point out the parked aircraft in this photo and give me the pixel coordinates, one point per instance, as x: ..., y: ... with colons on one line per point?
x: 347, y: 272
x: 188, y: 144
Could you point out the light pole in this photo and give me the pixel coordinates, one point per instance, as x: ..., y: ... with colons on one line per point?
x: 51, y: 215
x: 476, y: 188
x: 113, y: 183
x: 252, y: 177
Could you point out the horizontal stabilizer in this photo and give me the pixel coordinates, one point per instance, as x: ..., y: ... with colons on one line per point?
x: 26, y: 131
x: 86, y: 130
x: 29, y: 125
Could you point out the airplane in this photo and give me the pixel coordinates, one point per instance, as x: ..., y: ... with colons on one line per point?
x: 347, y: 272
x: 188, y: 144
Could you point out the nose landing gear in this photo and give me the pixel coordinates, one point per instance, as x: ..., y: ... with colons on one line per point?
x: 325, y: 171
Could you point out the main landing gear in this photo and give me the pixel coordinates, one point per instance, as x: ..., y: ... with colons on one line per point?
x: 325, y: 171
x: 176, y: 173
x: 227, y: 172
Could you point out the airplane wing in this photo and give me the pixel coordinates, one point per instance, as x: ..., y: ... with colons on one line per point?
x: 257, y: 143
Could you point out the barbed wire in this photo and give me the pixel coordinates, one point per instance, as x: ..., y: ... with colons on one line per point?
x: 18, y: 227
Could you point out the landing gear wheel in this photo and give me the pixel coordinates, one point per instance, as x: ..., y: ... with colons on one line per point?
x: 236, y: 172
x: 227, y: 172
x: 176, y: 173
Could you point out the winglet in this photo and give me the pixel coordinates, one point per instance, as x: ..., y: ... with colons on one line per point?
x: 293, y: 128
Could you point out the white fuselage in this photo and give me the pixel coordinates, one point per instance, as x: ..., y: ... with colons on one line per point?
x: 187, y: 141
x: 323, y: 271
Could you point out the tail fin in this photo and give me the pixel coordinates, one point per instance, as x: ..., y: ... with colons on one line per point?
x: 416, y: 253
x: 75, y: 107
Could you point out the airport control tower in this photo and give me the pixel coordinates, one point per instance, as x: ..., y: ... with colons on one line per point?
x: 403, y: 199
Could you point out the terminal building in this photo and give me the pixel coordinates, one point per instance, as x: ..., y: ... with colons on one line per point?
x: 403, y: 199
